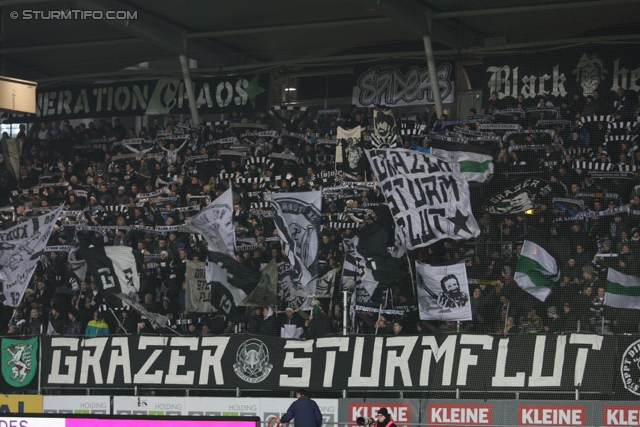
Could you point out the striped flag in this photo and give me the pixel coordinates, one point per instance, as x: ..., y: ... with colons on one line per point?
x: 622, y: 291
x: 473, y: 166
x: 537, y: 270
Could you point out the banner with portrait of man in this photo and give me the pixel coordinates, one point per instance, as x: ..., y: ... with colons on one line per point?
x: 384, y: 130
x: 443, y: 292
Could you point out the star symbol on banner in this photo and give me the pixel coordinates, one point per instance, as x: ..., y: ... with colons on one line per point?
x: 253, y: 90
x: 460, y: 222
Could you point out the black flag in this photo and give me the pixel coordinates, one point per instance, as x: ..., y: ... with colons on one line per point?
x: 115, y: 270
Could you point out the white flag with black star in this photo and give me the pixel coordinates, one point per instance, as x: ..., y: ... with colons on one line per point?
x: 428, y: 197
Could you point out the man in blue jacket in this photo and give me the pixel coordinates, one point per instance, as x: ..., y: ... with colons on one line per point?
x: 304, y: 410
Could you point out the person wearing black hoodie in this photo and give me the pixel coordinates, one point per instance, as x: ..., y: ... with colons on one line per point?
x: 319, y: 325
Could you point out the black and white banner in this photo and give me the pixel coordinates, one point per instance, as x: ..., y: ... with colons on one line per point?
x: 215, y: 223
x: 541, y: 363
x: 347, y: 137
x: 297, y: 218
x: 384, y: 130
x: 400, y: 87
x: 115, y: 270
x: 21, y: 247
x: 443, y: 292
x: 356, y: 269
x: 427, y: 196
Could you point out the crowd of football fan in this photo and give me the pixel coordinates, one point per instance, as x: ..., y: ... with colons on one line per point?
x: 112, y: 175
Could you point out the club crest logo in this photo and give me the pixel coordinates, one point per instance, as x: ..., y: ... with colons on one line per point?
x: 630, y: 368
x: 252, y: 361
x: 19, y: 361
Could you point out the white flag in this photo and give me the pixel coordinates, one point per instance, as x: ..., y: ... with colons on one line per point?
x: 326, y: 284
x: 20, y: 249
x: 428, y: 197
x: 443, y: 292
x: 351, y: 136
x: 198, y: 294
x: 473, y: 166
x: 215, y: 223
x: 125, y: 267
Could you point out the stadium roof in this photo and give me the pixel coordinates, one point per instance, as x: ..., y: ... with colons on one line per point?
x: 305, y: 37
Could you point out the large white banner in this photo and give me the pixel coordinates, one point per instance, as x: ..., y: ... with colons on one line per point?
x: 20, y: 249
x: 443, y: 292
x: 427, y: 196
x: 215, y: 223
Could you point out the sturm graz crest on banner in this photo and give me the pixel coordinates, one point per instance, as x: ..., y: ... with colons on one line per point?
x: 630, y: 368
x: 19, y: 361
x: 252, y: 361
x: 520, y: 198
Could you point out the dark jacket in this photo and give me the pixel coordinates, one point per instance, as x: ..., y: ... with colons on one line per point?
x: 319, y: 326
x: 305, y: 411
x: 269, y: 325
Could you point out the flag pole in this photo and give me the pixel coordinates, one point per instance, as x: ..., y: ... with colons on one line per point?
x: 379, y: 316
x: 118, y: 320
x: 344, y: 312
x: 507, y: 315
x: 413, y: 283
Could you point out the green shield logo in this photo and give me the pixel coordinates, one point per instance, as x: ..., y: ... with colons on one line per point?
x: 19, y: 361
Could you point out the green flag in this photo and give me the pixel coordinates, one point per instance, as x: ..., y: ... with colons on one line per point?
x: 622, y: 291
x: 537, y: 270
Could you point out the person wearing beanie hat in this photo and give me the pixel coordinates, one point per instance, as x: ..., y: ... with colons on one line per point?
x: 293, y: 324
x: 74, y: 328
x: 383, y: 419
x: 304, y: 410
x: 552, y: 323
